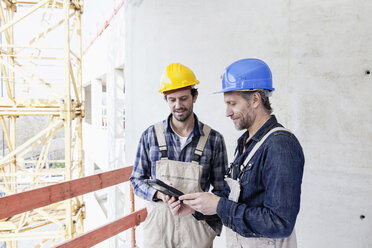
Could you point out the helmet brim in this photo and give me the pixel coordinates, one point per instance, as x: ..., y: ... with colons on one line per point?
x: 228, y: 90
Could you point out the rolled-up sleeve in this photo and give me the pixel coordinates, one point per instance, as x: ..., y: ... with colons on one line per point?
x: 219, y: 165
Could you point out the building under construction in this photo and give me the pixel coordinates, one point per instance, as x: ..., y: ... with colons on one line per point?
x: 100, y: 99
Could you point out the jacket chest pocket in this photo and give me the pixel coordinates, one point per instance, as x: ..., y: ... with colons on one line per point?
x: 247, y: 172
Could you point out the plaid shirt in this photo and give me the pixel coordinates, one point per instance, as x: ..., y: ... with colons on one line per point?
x: 213, y: 160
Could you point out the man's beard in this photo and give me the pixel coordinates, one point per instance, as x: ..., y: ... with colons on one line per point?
x: 184, y: 117
x: 245, y: 122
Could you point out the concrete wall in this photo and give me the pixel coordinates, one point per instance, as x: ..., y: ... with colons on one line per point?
x: 319, y: 53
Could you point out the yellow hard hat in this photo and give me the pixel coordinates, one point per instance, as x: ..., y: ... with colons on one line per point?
x: 177, y: 76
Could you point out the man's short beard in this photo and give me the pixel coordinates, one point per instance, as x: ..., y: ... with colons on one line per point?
x: 245, y: 123
x: 186, y: 117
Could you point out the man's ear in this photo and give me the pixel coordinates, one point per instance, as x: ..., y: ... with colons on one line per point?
x: 256, y: 99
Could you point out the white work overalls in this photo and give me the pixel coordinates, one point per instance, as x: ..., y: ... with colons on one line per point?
x: 161, y: 228
x: 233, y: 239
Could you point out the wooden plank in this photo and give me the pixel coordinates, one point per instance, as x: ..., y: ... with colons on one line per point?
x: 36, y: 198
x: 107, y: 231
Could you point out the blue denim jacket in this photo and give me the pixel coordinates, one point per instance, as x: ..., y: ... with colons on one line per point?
x: 270, y: 189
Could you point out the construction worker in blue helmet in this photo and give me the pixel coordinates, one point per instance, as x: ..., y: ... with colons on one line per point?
x: 183, y: 152
x: 261, y: 196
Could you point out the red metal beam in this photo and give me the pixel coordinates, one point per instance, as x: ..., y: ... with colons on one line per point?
x: 28, y: 200
x: 107, y: 231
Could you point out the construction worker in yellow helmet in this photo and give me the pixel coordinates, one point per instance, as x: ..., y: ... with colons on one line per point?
x: 185, y: 153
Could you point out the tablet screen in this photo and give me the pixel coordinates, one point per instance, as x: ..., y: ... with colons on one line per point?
x: 164, y: 188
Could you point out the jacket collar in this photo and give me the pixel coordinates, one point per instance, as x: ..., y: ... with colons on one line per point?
x: 269, y: 124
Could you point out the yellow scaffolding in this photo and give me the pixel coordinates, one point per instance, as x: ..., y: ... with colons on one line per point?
x: 43, y: 58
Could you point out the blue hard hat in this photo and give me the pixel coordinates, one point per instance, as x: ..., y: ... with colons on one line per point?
x: 247, y: 74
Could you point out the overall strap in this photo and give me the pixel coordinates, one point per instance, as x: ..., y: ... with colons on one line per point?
x: 259, y: 143
x: 159, y: 130
x: 253, y: 151
x: 201, y: 143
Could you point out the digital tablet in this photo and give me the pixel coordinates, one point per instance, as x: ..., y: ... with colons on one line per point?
x: 164, y: 188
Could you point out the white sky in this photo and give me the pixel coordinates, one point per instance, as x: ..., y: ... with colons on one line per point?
x: 95, y: 13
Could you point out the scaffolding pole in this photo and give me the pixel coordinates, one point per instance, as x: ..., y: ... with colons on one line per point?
x: 35, y: 34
